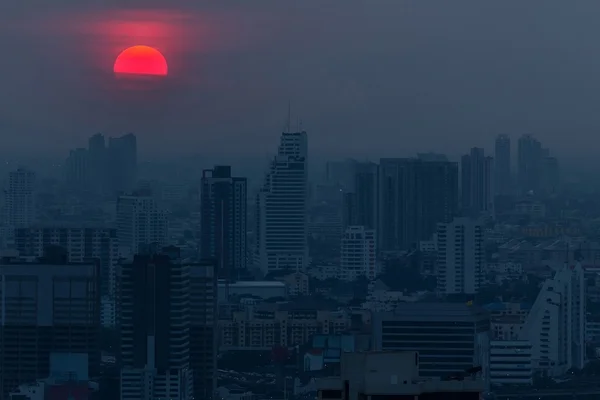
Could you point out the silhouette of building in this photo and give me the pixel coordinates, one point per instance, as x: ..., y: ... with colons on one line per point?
x: 122, y: 163
x: 502, y: 166
x: 281, y: 205
x: 224, y: 214
x: 414, y: 196
x: 477, y: 187
x: 19, y: 198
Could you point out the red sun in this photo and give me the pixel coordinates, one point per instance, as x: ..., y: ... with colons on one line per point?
x: 141, y: 60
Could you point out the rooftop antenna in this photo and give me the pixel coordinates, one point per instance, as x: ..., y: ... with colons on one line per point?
x: 289, y: 117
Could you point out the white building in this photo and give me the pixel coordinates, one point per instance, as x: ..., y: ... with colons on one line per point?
x: 461, y: 256
x: 511, y: 362
x: 358, y: 251
x: 281, y: 234
x: 140, y: 222
x: 20, y: 201
x: 556, y: 326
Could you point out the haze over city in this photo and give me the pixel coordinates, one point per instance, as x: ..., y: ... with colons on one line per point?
x: 366, y: 79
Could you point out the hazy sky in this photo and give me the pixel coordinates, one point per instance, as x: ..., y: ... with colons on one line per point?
x: 366, y: 77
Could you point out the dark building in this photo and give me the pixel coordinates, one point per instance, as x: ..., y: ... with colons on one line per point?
x: 122, y: 163
x: 414, y: 196
x: 47, y: 307
x: 530, y: 163
x: 502, y: 167
x: 360, y: 205
x: 168, y: 316
x: 224, y: 214
x: 476, y: 183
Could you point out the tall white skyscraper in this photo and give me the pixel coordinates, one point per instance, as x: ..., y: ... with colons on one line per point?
x: 20, y: 201
x: 281, y: 231
x: 140, y: 222
x: 555, y: 325
x: 461, y: 255
x: 358, y: 254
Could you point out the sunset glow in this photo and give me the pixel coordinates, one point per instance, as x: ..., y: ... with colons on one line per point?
x: 141, y: 60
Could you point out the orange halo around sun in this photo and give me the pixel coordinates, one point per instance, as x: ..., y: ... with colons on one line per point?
x: 141, y: 60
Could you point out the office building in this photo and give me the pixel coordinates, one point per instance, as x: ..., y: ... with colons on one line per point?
x: 82, y: 244
x: 360, y: 204
x: 121, y: 157
x: 47, y: 307
x: 414, y: 196
x: 476, y: 183
x: 281, y: 205
x: 77, y: 175
x: 449, y: 337
x: 154, y: 312
x: 529, y: 164
x: 358, y: 254
x: 502, y: 166
x: 140, y: 222
x: 392, y: 375
x: 511, y: 362
x: 204, y: 334
x: 98, y: 166
x: 19, y: 198
x: 224, y: 214
x: 556, y: 323
x: 460, y: 256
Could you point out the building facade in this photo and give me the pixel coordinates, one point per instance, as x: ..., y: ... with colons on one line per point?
x: 224, y: 214
x: 358, y: 254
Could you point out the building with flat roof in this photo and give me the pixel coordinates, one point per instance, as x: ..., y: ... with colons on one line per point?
x: 391, y: 375
x: 449, y: 337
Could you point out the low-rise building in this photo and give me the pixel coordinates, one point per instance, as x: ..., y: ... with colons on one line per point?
x: 511, y: 362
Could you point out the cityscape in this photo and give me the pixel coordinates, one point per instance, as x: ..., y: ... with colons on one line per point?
x: 299, y: 200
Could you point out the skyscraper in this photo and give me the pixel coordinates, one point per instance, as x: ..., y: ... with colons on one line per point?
x: 281, y: 230
x: 20, y: 201
x: 223, y: 233
x: 154, y: 309
x: 140, y: 222
x: 360, y: 204
x: 414, y: 196
x: 204, y: 344
x: 98, y: 164
x: 502, y: 166
x: 461, y: 256
x: 122, y: 163
x: 477, y: 188
x: 530, y: 160
x: 77, y: 170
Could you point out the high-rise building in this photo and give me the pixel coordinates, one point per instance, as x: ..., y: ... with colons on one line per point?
x: 555, y: 325
x: 77, y: 170
x: 154, y: 310
x: 461, y: 256
x: 414, y: 196
x: 477, y: 188
x: 529, y: 164
x: 19, y: 198
x: 122, y: 163
x: 82, y: 244
x: 502, y: 166
x: 358, y: 254
x: 223, y: 232
x: 449, y: 337
x: 281, y: 204
x: 140, y: 222
x: 360, y: 205
x: 49, y: 306
x: 98, y: 167
x: 204, y: 333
